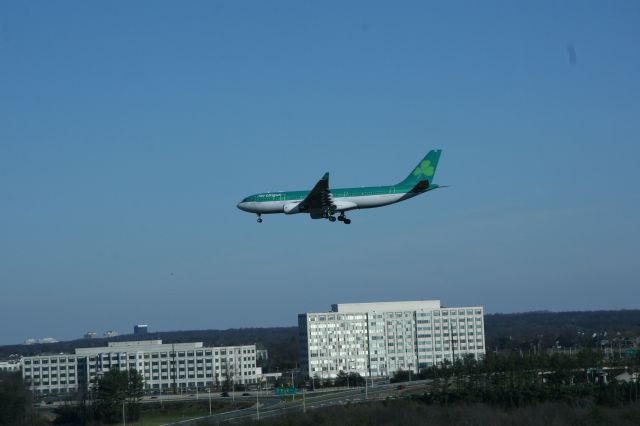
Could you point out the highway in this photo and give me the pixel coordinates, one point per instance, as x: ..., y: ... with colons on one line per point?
x: 272, y: 407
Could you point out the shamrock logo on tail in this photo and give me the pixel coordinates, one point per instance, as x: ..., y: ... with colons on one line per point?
x: 425, y: 168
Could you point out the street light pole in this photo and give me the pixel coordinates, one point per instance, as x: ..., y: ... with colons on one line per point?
x: 293, y: 386
x: 258, y: 402
x: 209, y: 402
x: 366, y: 389
x: 124, y: 419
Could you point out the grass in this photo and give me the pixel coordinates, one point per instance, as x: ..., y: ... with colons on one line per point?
x: 156, y: 414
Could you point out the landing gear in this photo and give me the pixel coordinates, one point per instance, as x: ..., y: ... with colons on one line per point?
x: 343, y: 218
x: 329, y: 214
x: 259, y: 218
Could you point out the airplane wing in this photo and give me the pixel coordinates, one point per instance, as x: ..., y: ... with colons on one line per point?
x: 319, y: 200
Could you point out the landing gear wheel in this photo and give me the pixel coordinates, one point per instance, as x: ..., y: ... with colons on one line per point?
x: 259, y: 218
x: 341, y: 218
x: 332, y: 219
x: 347, y: 221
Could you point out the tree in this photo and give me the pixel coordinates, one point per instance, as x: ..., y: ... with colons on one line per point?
x: 341, y: 379
x: 355, y: 379
x: 117, y: 389
x: 15, y: 400
x: 315, y: 381
x: 227, y: 385
x: 400, y: 376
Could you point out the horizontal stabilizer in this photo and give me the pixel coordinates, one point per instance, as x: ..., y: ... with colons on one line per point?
x: 420, y: 186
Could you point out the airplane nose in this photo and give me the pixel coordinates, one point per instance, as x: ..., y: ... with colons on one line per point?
x: 242, y: 206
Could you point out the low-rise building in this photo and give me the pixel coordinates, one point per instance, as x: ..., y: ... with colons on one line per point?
x: 10, y: 366
x: 45, y: 374
x: 162, y: 366
x: 31, y: 341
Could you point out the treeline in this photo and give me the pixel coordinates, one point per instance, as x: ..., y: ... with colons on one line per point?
x: 408, y: 412
x: 281, y: 342
x: 520, y: 380
x: 537, y: 331
x: 532, y: 332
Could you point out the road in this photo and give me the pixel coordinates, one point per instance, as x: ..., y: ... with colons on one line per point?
x: 272, y: 407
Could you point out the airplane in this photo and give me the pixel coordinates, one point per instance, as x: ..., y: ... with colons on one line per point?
x: 323, y: 203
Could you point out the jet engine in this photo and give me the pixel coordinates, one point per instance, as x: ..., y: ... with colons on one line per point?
x: 291, y: 208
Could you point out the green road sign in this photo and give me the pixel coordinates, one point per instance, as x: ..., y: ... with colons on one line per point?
x: 286, y: 391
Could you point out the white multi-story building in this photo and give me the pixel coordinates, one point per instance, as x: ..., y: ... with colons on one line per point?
x: 10, y: 366
x: 46, y: 374
x: 162, y: 366
x: 377, y: 339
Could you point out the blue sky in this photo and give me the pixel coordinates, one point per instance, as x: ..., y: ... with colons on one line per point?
x: 130, y: 130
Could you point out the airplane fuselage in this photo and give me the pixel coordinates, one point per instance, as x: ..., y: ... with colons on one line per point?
x: 345, y: 199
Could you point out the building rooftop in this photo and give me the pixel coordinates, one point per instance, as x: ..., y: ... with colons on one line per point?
x: 412, y: 305
x: 130, y: 343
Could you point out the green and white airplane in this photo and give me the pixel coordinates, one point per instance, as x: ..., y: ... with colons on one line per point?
x: 323, y: 203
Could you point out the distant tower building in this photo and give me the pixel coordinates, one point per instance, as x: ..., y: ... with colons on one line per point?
x: 140, y: 329
x: 90, y: 335
x: 111, y: 333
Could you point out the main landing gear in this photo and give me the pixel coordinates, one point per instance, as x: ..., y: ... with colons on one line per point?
x: 343, y: 218
x: 259, y: 218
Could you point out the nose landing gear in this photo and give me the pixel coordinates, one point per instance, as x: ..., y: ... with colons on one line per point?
x: 259, y: 218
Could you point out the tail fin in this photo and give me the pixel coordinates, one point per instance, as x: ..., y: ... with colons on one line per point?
x: 424, y: 171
